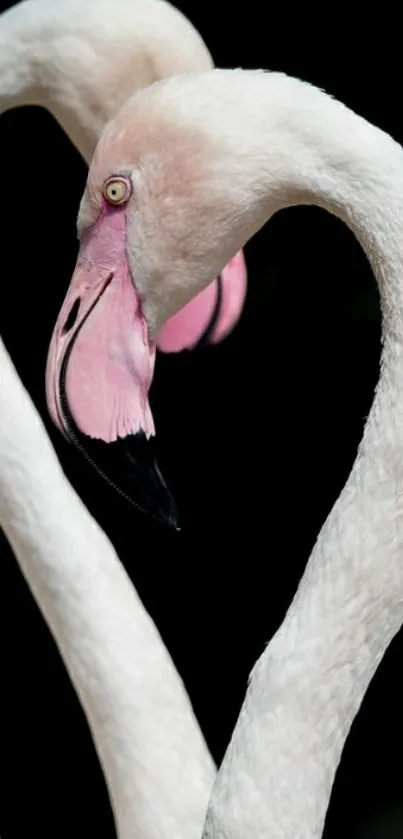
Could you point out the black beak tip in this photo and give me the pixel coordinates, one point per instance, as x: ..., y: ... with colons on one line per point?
x: 153, y: 492
x: 130, y: 466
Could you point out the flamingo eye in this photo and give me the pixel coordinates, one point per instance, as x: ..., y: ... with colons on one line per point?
x: 117, y: 191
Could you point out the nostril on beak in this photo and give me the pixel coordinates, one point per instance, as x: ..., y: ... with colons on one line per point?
x: 72, y: 316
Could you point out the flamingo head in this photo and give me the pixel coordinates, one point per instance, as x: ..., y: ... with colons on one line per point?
x: 147, y: 217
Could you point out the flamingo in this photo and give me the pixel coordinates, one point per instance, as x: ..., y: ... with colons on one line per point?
x: 223, y: 151
x: 80, y: 60
x: 158, y: 769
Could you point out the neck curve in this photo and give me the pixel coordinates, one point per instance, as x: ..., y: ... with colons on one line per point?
x: 308, y: 685
x: 19, y: 58
x: 81, y: 61
x: 156, y: 764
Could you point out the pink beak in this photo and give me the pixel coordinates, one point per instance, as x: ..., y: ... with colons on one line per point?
x: 100, y: 367
x: 211, y: 315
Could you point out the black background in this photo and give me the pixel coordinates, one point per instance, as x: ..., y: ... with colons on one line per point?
x: 256, y: 438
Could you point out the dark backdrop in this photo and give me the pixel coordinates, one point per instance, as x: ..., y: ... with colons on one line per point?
x: 256, y: 437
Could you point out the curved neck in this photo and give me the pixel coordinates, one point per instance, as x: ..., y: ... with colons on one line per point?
x: 27, y: 77
x: 19, y: 58
x: 51, y: 55
x: 309, y: 683
x: 155, y: 761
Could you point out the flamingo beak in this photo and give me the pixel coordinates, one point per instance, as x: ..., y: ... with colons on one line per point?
x: 210, y: 316
x: 100, y: 367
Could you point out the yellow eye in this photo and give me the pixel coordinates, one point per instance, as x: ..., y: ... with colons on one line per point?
x: 116, y: 191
